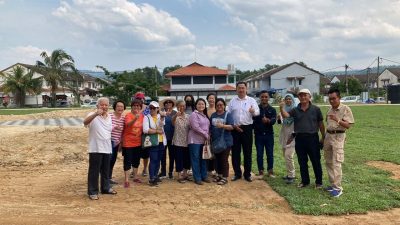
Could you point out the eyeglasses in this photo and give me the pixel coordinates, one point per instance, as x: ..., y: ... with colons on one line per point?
x: 168, y: 102
x: 152, y: 108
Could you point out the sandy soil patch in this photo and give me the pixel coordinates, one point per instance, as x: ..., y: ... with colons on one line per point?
x: 388, y: 166
x: 43, y: 172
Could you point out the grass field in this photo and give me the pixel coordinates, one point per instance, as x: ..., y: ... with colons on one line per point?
x: 374, y: 137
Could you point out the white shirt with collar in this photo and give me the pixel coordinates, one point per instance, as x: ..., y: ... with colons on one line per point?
x: 239, y: 108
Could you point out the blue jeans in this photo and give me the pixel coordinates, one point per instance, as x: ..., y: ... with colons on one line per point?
x: 267, y: 142
x: 199, y: 165
x: 156, y: 153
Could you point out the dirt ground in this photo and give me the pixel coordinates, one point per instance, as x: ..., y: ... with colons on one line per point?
x: 43, y: 174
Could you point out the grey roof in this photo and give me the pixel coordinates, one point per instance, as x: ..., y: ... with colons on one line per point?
x: 275, y: 70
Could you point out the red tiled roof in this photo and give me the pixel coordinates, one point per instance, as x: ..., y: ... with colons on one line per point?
x: 227, y: 88
x: 196, y: 69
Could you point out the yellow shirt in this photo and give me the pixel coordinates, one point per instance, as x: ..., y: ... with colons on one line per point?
x: 160, y: 136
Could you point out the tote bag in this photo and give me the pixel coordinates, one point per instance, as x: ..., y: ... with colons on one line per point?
x: 207, y: 154
x: 149, y: 140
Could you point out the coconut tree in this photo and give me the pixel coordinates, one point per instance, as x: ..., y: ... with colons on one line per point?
x: 55, y: 68
x: 18, y: 82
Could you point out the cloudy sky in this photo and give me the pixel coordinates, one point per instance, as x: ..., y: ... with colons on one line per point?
x: 127, y: 34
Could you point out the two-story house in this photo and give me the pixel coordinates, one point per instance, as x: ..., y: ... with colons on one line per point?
x: 287, y: 78
x: 87, y: 86
x: 199, y: 80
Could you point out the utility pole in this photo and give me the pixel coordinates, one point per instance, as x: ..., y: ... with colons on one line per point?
x: 155, y: 73
x: 345, y: 75
x: 377, y: 78
x: 368, y: 85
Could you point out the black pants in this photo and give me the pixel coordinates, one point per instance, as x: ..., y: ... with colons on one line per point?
x: 242, y: 140
x: 211, y: 165
x: 171, y: 156
x: 222, y: 163
x: 307, y: 145
x: 99, y: 163
x: 113, y: 157
x: 182, y: 159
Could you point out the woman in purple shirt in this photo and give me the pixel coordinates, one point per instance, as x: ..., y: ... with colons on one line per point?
x: 198, y: 134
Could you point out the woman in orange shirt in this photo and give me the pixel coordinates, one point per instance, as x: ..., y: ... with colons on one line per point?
x: 132, y: 138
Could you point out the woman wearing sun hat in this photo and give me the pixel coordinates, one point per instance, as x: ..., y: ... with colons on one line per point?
x: 167, y: 105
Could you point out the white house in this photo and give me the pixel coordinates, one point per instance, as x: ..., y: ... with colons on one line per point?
x: 288, y: 78
x: 88, y: 87
x: 199, y: 80
x: 389, y: 76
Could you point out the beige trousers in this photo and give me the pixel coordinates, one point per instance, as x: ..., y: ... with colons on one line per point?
x: 288, y: 150
x: 334, y: 157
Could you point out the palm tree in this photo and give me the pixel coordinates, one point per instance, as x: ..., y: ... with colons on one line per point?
x: 19, y: 82
x: 55, y: 69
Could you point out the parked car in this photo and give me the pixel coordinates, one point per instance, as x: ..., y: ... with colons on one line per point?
x: 380, y: 100
x: 369, y: 101
x: 350, y: 99
x: 62, y: 103
x: 92, y: 104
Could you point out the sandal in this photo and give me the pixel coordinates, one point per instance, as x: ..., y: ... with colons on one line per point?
x: 223, y: 181
x: 137, y: 180
x: 126, y: 185
x: 93, y: 197
x: 217, y: 179
x: 109, y: 192
x: 182, y: 180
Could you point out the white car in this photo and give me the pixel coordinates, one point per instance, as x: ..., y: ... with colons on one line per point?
x: 348, y: 99
x: 92, y: 104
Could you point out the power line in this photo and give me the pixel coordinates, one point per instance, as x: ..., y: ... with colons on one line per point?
x: 390, y: 60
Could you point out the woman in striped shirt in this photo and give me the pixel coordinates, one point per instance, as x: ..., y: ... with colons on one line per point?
x: 118, y: 119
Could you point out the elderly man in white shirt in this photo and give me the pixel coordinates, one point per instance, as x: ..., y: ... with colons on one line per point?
x: 243, y: 109
x: 100, y: 126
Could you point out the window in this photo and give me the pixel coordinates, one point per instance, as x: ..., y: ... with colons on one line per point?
x: 300, y: 81
x: 203, y: 80
x: 220, y: 79
x: 181, y: 80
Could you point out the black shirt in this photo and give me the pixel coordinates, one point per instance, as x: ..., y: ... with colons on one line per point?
x: 306, y: 121
x: 259, y: 126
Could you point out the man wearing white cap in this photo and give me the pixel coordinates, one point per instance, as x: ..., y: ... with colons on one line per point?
x: 307, y: 120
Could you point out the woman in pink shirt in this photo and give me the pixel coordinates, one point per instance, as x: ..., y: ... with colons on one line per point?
x: 198, y: 134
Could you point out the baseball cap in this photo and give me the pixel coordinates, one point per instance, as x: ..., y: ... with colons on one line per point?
x: 305, y: 90
x: 139, y: 95
x: 154, y: 104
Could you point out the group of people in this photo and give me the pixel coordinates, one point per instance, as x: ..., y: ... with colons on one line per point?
x: 150, y: 132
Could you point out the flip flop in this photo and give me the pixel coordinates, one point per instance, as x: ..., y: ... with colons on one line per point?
x: 93, y: 197
x: 109, y: 192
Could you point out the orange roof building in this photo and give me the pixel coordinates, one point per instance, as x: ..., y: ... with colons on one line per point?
x: 199, y: 80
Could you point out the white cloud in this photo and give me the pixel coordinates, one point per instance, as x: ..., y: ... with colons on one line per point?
x: 219, y: 55
x: 139, y: 22
x: 21, y: 54
x: 2, y: 2
x: 244, y: 24
x: 323, y: 32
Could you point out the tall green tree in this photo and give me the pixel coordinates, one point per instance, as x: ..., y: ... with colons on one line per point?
x: 123, y: 85
x: 55, y: 68
x: 19, y: 82
x: 354, y: 85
